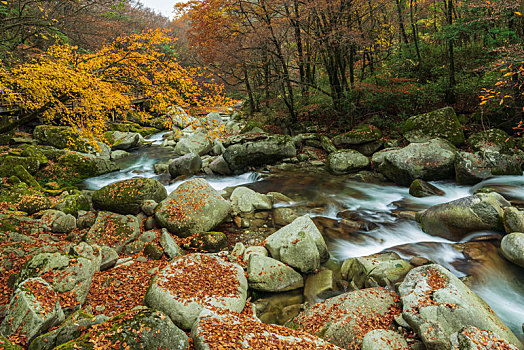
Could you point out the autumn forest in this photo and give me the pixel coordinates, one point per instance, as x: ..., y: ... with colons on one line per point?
x: 262, y: 174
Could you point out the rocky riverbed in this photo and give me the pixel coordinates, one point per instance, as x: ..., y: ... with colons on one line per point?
x: 263, y: 241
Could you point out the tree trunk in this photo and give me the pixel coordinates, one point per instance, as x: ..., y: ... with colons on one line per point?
x: 450, y: 93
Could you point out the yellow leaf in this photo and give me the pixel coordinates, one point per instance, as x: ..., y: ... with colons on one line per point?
x: 518, y: 13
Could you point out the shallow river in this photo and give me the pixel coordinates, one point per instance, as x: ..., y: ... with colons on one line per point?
x: 327, y: 198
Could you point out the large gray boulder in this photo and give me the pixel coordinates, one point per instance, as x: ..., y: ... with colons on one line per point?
x: 193, y: 207
x: 188, y: 164
x: 346, y: 318
x: 458, y: 218
x: 124, y: 140
x: 512, y: 246
x: 198, y: 143
x: 436, y: 304
x: 193, y: 283
x: 245, y: 200
x: 69, y: 275
x: 299, y: 244
x: 442, y: 123
x: 58, y: 222
x: 493, y: 140
x: 113, y: 230
x: 270, y: 275
x: 471, y: 168
x: 360, y: 135
x: 127, y: 196
x: 255, y: 153
x: 432, y: 160
x: 346, y: 161
x: 33, y: 309
x: 239, y: 331
x: 138, y: 329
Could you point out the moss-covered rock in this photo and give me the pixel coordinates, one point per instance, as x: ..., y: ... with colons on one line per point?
x: 21, y: 173
x: 73, y: 327
x: 420, y: 188
x: 35, y: 152
x: 8, y: 163
x: 360, y: 135
x: 494, y: 140
x: 82, y: 166
x: 252, y: 124
x: 136, y: 329
x: 5, y: 344
x: 127, y: 196
x: 73, y: 203
x: 442, y: 123
x: 60, y: 137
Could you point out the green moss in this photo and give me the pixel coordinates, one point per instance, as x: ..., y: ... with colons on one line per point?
x: 8, y: 163
x: 133, y: 127
x: 7, y: 345
x: 250, y: 125
x: 441, y: 123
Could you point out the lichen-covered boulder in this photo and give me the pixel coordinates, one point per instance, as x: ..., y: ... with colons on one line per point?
x: 383, y: 269
x: 9, y: 162
x: 198, y: 143
x: 69, y: 275
x: 512, y: 247
x: 268, y: 150
x: 432, y: 160
x: 270, y: 275
x: 493, y: 140
x: 456, y: 219
x: 245, y: 200
x: 72, y: 204
x: 513, y: 220
x: 195, y: 282
x: 136, y: 329
x: 471, y: 168
x: 123, y: 140
x: 33, y: 309
x: 60, y: 137
x: 436, y: 304
x: 188, y: 164
x: 347, y: 318
x: 73, y: 327
x: 346, y: 161
x: 82, y: 165
x: 286, y: 244
x: 113, y: 230
x: 58, y: 221
x: 358, y: 136
x: 442, y: 123
x: 240, y: 331
x: 127, y: 196
x: 193, y: 207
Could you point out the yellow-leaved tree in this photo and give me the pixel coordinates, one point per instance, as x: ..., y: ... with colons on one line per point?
x: 84, y: 89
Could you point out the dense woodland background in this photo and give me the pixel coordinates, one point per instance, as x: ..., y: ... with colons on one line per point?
x: 329, y: 62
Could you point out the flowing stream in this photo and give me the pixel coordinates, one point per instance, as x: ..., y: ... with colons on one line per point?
x: 327, y: 198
